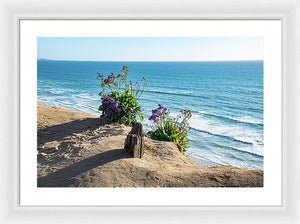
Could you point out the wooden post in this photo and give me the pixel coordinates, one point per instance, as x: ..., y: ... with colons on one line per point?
x: 134, y: 143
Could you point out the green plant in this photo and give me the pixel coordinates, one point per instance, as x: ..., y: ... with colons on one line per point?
x: 129, y: 104
x: 170, y: 129
x: 120, y: 99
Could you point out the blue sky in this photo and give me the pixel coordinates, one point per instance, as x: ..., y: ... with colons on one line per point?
x: 150, y: 48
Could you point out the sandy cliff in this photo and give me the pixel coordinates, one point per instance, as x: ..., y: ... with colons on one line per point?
x: 77, y: 149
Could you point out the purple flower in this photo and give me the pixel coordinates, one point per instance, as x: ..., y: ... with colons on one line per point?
x: 156, y: 113
x: 154, y: 118
x: 111, y: 105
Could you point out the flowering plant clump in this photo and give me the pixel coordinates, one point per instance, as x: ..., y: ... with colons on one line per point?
x: 166, y: 128
x: 120, y: 98
x: 110, y: 106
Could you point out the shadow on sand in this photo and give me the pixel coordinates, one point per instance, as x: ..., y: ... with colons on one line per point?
x: 59, y: 132
x: 65, y: 177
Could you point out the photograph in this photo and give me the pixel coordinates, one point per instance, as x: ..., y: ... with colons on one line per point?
x: 150, y: 112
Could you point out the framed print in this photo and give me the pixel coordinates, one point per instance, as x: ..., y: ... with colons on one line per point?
x: 219, y: 143
x: 155, y: 114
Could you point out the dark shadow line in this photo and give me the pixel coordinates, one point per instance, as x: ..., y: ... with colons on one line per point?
x: 63, y: 177
x: 59, y: 132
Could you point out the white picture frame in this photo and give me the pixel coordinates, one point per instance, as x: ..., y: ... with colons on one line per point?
x: 268, y: 195
x: 11, y: 212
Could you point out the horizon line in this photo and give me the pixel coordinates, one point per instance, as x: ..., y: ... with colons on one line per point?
x: 48, y: 59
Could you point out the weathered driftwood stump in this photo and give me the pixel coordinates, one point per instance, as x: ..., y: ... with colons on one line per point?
x: 134, y: 143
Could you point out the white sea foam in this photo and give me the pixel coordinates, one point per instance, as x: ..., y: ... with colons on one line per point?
x: 248, y: 119
x: 88, y: 96
x: 58, y: 91
x: 242, y: 119
x: 236, y: 132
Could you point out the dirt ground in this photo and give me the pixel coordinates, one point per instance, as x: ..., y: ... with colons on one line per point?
x: 77, y: 149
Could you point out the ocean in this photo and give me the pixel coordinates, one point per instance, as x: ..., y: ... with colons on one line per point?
x: 226, y: 100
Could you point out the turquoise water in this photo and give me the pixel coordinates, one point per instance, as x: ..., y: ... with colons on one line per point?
x: 226, y: 99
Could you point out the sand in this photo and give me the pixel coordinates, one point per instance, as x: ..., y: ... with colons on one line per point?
x: 77, y: 149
